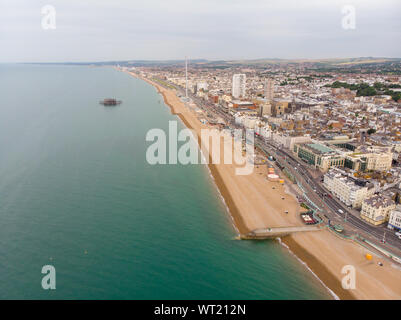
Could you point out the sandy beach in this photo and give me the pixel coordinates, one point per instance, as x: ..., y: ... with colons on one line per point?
x: 254, y: 202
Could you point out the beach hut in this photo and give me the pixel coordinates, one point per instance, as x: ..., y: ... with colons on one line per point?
x: 273, y: 177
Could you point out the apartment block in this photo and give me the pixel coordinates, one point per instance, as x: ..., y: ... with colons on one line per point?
x: 239, y: 85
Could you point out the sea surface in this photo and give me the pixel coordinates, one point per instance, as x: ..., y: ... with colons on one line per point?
x: 77, y: 193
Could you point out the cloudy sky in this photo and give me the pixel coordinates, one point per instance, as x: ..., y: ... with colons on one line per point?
x: 98, y: 30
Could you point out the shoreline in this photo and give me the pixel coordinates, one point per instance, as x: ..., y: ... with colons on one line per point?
x: 331, y: 292
x: 298, y: 245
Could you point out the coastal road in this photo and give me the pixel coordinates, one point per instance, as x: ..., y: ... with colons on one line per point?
x: 337, y: 205
x: 314, y: 187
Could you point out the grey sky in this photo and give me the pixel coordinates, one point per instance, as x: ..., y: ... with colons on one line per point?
x: 97, y: 30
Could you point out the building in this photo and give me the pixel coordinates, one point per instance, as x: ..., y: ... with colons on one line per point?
x: 373, y: 159
x: 376, y: 210
x: 332, y: 124
x: 395, y: 219
x: 202, y: 86
x: 349, y: 190
x: 269, y: 90
x: 291, y: 141
x: 239, y: 85
x: 280, y: 107
x: 247, y: 121
x: 264, y: 107
x: 318, y: 155
x: 239, y: 105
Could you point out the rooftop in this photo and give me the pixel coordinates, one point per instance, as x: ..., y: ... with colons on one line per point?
x: 378, y: 201
x: 320, y: 148
x: 350, y: 181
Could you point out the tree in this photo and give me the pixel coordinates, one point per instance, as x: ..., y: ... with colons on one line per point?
x: 397, y: 198
x: 378, y: 86
x: 396, y: 96
x: 371, y: 131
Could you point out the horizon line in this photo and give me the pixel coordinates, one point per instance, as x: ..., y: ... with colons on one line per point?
x: 198, y: 59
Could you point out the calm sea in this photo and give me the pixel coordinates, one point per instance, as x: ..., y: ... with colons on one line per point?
x: 77, y: 193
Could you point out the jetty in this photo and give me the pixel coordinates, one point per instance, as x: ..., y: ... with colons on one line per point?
x: 272, y: 233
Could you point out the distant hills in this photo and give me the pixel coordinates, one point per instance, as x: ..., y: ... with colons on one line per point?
x: 328, y: 62
x: 320, y: 63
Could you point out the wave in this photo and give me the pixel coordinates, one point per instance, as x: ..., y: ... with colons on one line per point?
x: 309, y: 269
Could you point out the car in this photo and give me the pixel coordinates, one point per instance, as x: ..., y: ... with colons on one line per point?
x: 398, y: 234
x: 339, y: 210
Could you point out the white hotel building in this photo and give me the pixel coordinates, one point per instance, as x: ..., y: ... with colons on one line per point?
x: 350, y: 191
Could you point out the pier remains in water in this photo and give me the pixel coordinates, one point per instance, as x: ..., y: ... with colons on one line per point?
x: 110, y: 102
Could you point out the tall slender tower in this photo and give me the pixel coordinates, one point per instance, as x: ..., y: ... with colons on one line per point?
x: 269, y: 89
x: 293, y: 104
x: 186, y: 77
